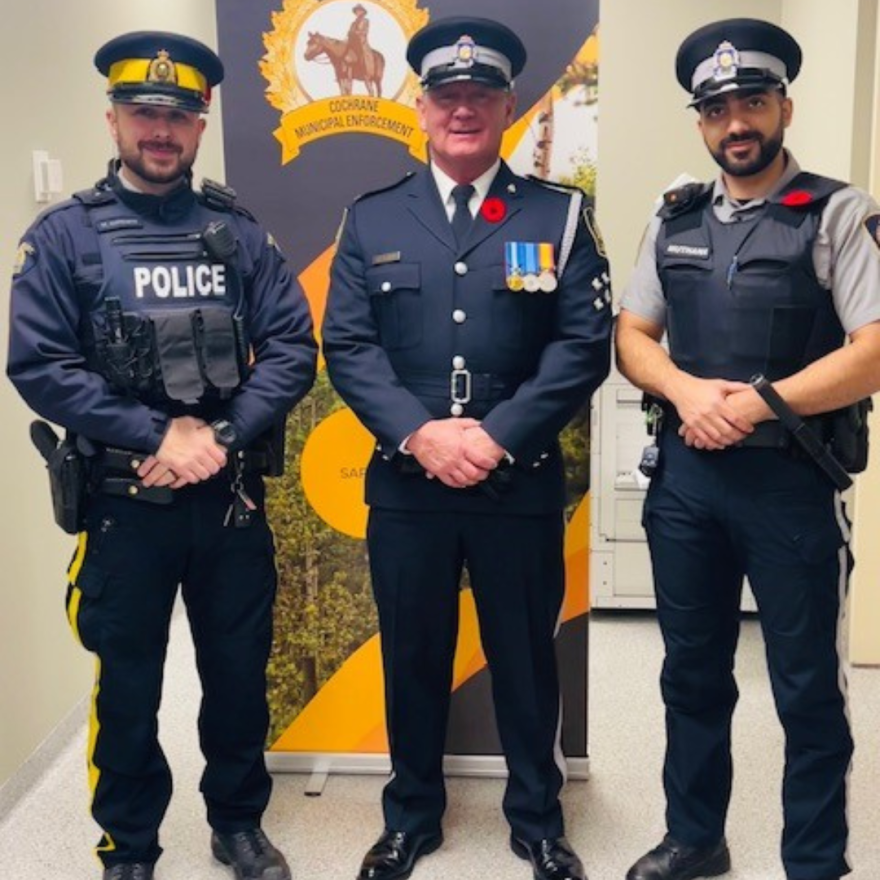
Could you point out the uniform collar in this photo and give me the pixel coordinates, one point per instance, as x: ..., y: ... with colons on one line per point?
x: 481, y: 185
x: 726, y: 207
x: 172, y: 204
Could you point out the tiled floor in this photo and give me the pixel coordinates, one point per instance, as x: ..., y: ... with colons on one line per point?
x: 612, y: 818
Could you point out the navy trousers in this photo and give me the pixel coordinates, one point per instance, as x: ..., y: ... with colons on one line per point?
x: 711, y: 519
x: 516, y: 571
x: 122, y: 585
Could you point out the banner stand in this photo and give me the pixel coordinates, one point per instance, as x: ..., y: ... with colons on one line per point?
x: 320, y: 766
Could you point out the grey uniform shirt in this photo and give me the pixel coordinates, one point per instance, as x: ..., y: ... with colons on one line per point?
x: 846, y: 254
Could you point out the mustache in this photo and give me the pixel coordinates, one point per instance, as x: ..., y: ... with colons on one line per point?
x: 160, y: 145
x: 742, y: 137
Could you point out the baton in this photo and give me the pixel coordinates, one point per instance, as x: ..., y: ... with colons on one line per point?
x: 802, y: 432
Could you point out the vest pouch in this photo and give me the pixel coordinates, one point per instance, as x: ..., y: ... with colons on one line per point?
x: 849, y: 436
x: 691, y: 330
x: 177, y: 355
x: 217, y: 343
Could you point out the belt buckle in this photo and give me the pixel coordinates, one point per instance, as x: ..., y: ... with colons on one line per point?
x: 454, y: 377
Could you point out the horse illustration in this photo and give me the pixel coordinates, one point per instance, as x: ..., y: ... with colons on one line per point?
x: 347, y: 66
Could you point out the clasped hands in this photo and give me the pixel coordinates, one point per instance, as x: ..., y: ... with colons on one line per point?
x: 456, y: 451
x: 189, y: 453
x: 716, y: 413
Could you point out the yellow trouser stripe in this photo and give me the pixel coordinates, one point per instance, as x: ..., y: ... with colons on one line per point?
x: 73, y: 612
x: 76, y: 594
x: 107, y: 844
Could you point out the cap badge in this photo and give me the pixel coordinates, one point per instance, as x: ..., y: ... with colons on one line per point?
x: 726, y: 61
x: 465, y: 51
x: 162, y: 69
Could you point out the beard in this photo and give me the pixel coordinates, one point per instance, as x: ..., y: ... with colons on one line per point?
x: 768, y: 150
x: 133, y: 158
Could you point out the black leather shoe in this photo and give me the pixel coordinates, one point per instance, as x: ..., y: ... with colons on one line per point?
x: 672, y: 860
x: 552, y: 858
x: 394, y: 855
x: 129, y: 871
x: 250, y: 854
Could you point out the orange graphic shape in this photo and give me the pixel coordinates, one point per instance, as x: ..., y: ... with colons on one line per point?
x: 334, y: 460
x: 348, y: 713
x: 315, y: 281
x: 353, y: 698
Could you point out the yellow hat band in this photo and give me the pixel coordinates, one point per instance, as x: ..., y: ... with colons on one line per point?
x: 141, y: 71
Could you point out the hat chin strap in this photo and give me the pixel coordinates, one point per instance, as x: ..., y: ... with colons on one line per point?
x: 745, y: 80
x: 194, y: 104
x: 481, y: 73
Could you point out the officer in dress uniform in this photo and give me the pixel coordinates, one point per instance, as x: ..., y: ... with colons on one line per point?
x: 161, y: 326
x: 468, y: 320
x: 758, y: 279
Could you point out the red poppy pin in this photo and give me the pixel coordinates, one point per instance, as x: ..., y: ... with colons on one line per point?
x: 494, y: 210
x: 796, y: 198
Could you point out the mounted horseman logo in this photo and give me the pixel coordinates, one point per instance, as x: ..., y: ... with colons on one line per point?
x: 331, y: 74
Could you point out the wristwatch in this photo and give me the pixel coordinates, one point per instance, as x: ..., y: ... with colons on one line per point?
x: 224, y: 432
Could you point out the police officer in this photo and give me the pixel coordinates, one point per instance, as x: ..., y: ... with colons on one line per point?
x: 467, y: 321
x: 765, y: 272
x: 162, y: 326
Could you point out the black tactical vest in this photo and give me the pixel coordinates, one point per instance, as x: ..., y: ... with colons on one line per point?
x: 168, y: 323
x: 743, y: 298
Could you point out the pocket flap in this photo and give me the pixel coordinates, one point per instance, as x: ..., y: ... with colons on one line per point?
x: 393, y: 276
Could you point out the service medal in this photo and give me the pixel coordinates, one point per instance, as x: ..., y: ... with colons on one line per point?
x: 547, y: 282
x: 513, y: 266
x: 547, y: 277
x: 530, y: 266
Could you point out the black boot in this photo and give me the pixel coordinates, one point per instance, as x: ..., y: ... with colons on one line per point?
x: 129, y: 871
x: 672, y: 860
x: 394, y: 855
x: 250, y: 854
x: 552, y: 858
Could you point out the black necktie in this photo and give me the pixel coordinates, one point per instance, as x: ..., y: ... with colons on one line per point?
x: 461, y: 217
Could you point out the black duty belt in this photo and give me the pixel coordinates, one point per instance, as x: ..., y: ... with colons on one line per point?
x: 117, y: 474
x: 463, y: 386
x: 125, y: 461
x: 767, y: 435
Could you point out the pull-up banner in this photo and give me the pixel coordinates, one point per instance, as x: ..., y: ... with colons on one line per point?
x: 318, y: 107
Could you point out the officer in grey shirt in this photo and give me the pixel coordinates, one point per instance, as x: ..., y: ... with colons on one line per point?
x: 771, y: 272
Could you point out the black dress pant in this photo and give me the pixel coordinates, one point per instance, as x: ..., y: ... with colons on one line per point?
x: 122, y: 585
x: 516, y: 571
x: 712, y: 518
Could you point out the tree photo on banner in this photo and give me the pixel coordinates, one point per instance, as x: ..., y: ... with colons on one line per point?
x: 318, y: 108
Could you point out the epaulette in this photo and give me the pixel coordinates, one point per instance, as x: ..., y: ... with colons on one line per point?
x: 375, y: 192
x: 218, y: 195
x: 683, y: 199
x: 95, y: 196
x: 221, y: 197
x: 559, y: 187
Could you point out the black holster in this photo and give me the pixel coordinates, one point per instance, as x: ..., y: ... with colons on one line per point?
x: 68, y: 476
x: 849, y: 435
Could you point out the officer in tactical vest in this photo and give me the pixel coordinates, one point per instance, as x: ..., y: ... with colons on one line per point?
x: 758, y: 279
x: 468, y: 320
x: 161, y: 327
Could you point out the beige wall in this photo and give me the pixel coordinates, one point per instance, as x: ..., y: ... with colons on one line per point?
x: 52, y: 100
x: 865, y: 607
x: 834, y: 134
x: 647, y: 136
